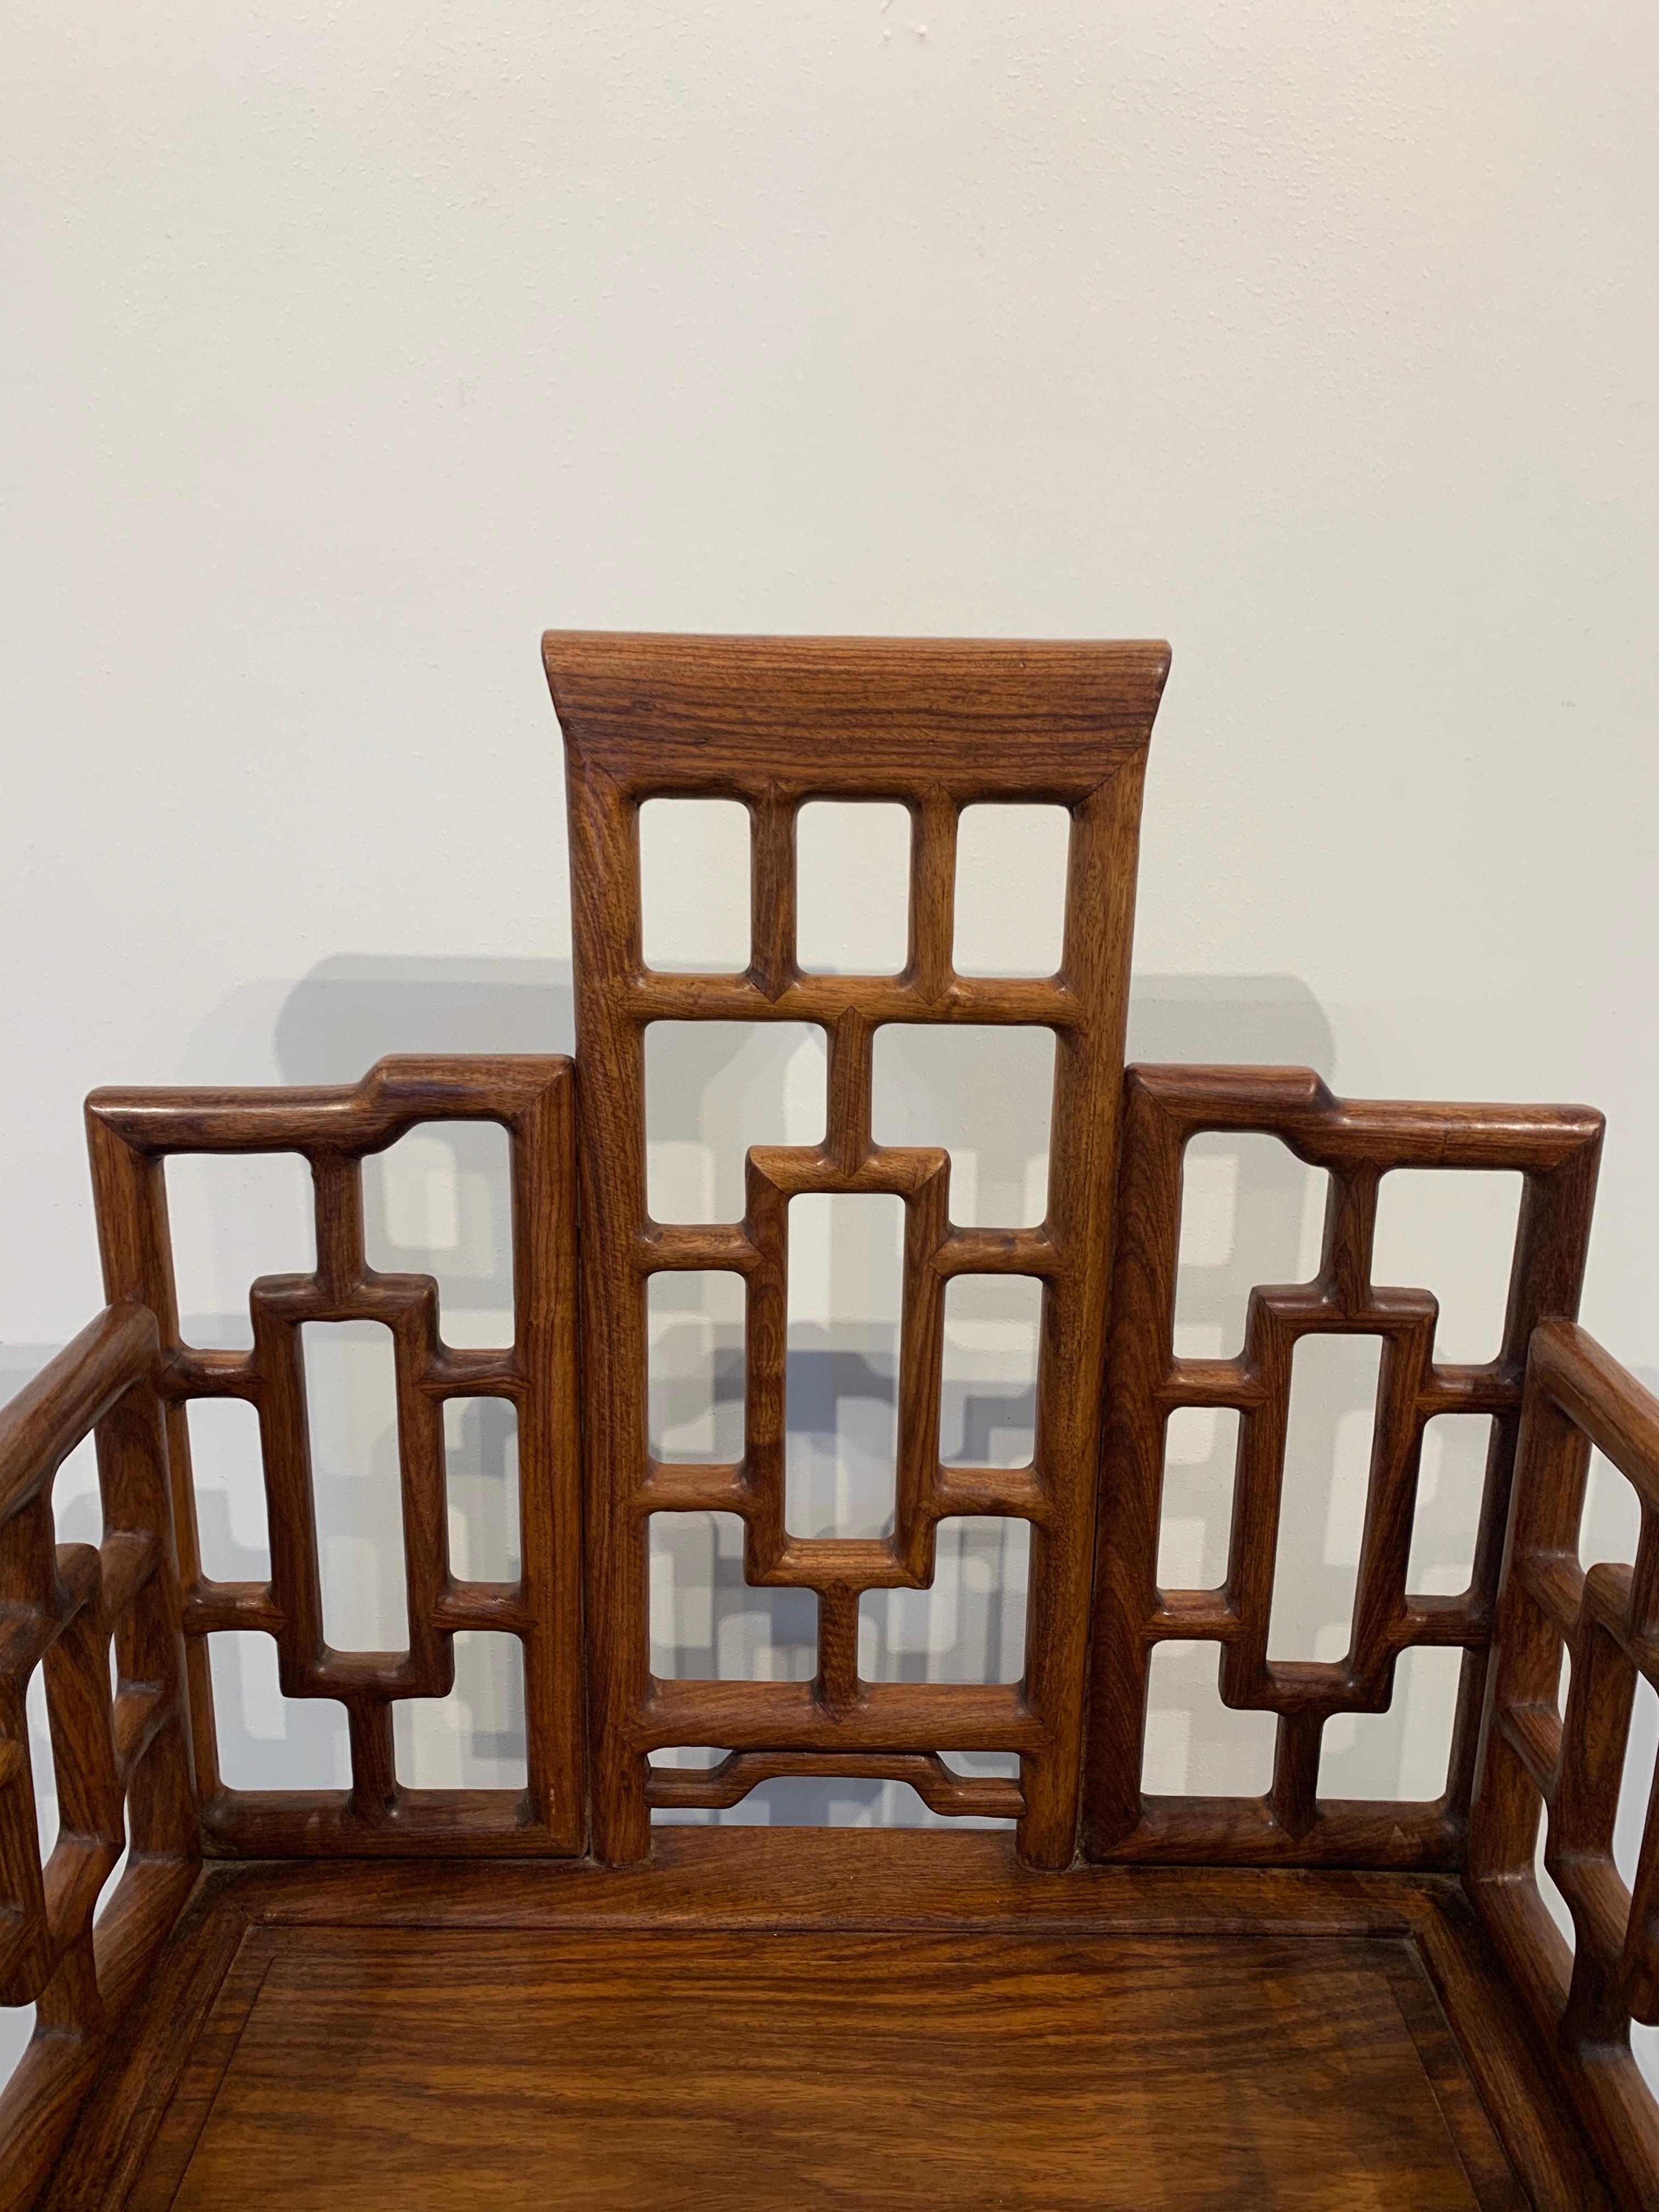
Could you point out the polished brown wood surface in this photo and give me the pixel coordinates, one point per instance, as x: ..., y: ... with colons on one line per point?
x: 418, y: 2069
x: 1562, y: 1758
x: 133, y: 1134
x: 900, y: 1889
x: 389, y: 1998
x: 1555, y: 1150
x: 119, y: 1743
x: 774, y: 723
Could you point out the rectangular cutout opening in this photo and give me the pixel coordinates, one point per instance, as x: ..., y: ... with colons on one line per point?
x: 1011, y: 889
x: 1611, y: 1525
x: 1635, y: 1811
x: 226, y: 1468
x: 841, y: 1803
x: 1251, y: 1212
x: 707, y: 1624
x: 818, y: 1803
x: 1327, y: 1457
x: 77, y: 1503
x: 1451, y: 1230
x: 1634, y: 1816
x: 852, y: 887
x: 234, y: 1216
x: 1451, y: 1475
x: 266, y: 1740
x: 712, y: 1090
x: 695, y: 885
x: 481, y: 1480
x: 439, y: 1202
x: 1554, y: 1904
x: 971, y: 1625
x: 1196, y: 1746
x: 695, y: 1365
x: 987, y: 1412
x: 16, y: 2029
x: 698, y: 1758
x: 841, y: 1419
x: 1200, y: 1458
x: 41, y: 1766
x: 473, y: 1738
x: 985, y: 1093
x: 1401, y: 1756
x: 351, y: 1407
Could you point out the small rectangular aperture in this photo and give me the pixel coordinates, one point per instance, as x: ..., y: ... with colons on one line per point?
x: 473, y: 1738
x: 1451, y: 1477
x: 1322, y: 1520
x: 1196, y: 1746
x: 38, y: 1720
x: 695, y: 1365
x: 227, y: 1470
x: 1200, y: 1457
x: 234, y: 1216
x: 988, y: 1411
x: 439, y: 1202
x: 694, y: 885
x: 351, y: 1402
x: 852, y: 887
x: 1251, y: 1212
x: 1451, y: 1230
x: 707, y: 1624
x: 846, y: 1295
x: 1401, y: 1755
x: 1011, y: 889
x: 266, y: 1740
x: 712, y: 1090
x: 985, y: 1093
x: 971, y: 1625
x: 481, y: 1463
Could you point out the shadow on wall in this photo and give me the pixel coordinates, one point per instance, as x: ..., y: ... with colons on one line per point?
x: 714, y: 1088
x: 436, y: 1202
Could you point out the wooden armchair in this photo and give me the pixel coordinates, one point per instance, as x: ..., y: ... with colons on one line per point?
x: 402, y: 1997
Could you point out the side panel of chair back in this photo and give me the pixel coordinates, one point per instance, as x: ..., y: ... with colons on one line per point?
x: 1554, y: 1150
x: 132, y: 1134
x: 773, y: 724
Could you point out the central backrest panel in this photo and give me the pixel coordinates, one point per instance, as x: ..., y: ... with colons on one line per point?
x: 937, y: 727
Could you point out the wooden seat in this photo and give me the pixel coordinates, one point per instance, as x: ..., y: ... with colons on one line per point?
x: 392, y: 1996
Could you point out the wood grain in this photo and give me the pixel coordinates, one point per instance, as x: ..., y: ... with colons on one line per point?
x: 120, y: 1746
x: 385, y: 1997
x: 773, y: 723
x: 133, y: 1134
x: 1555, y: 1150
x: 1118, y: 2073
x: 892, y: 1886
x: 1564, y: 1760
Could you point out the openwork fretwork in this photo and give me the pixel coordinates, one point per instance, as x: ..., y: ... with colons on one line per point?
x: 132, y: 1134
x: 120, y: 1749
x: 1570, y: 1765
x: 1555, y: 1149
x: 773, y: 724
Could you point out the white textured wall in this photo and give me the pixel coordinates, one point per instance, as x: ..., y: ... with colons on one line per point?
x: 348, y: 347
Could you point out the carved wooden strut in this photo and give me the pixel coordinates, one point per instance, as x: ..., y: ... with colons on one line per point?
x: 398, y: 1996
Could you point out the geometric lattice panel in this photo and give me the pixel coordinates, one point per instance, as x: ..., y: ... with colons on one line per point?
x: 100, y: 1624
x: 776, y: 724
x: 1555, y: 1150
x: 1564, y: 1761
x: 131, y: 1134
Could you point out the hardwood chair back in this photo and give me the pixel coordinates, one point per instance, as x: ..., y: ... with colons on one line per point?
x: 774, y: 725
